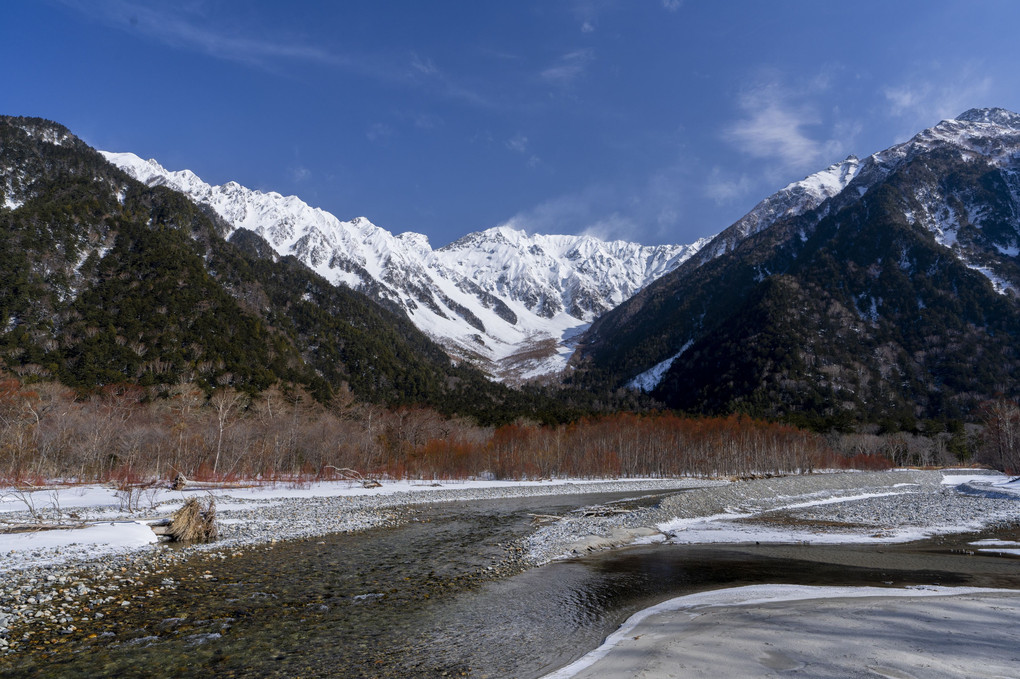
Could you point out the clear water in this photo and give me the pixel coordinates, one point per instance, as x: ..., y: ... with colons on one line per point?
x: 418, y: 600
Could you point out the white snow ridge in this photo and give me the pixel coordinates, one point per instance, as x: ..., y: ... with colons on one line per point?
x: 504, y: 299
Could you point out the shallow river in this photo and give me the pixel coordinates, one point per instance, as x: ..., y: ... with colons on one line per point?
x: 424, y: 600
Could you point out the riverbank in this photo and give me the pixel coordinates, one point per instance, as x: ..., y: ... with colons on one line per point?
x: 53, y: 582
x: 50, y: 591
x: 819, y: 632
x: 857, y: 508
x: 75, y: 524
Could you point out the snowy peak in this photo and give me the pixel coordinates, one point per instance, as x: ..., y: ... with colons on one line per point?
x: 991, y: 116
x: 580, y: 276
x: 992, y: 134
x: 503, y: 298
x: 793, y: 200
x: 885, y: 284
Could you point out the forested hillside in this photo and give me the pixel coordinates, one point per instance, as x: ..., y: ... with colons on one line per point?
x: 894, y: 299
x: 104, y: 280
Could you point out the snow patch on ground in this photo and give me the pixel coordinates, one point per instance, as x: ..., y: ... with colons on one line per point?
x: 108, y: 524
x: 749, y: 596
x: 649, y: 379
x: 54, y: 546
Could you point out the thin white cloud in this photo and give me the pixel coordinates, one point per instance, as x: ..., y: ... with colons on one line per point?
x: 379, y: 132
x: 672, y: 5
x: 178, y: 26
x: 723, y: 187
x: 423, y: 66
x: 588, y: 11
x: 183, y: 27
x: 425, y: 71
x: 646, y: 212
x: 518, y: 143
x: 300, y: 174
x: 782, y: 125
x: 569, y: 67
x: 924, y: 101
x: 427, y: 121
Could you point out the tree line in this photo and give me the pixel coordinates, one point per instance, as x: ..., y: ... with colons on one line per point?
x: 121, y: 433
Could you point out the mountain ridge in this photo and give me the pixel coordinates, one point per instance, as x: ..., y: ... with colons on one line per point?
x: 106, y: 282
x: 502, y: 298
x: 894, y: 250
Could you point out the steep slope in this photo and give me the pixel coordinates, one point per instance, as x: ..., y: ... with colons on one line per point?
x: 504, y: 299
x: 894, y: 296
x: 105, y: 280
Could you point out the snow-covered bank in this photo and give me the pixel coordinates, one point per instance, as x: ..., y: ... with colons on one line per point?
x: 62, y: 574
x: 109, y: 521
x: 814, y: 631
x: 792, y: 629
x: 822, y: 508
x: 863, y: 508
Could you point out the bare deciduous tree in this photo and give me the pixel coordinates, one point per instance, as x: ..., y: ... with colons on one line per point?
x: 226, y: 402
x: 1001, y: 446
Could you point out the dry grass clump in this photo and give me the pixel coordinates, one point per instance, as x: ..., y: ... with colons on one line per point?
x: 193, y: 522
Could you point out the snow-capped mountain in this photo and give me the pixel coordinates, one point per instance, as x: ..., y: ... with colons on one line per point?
x: 505, y: 299
x: 991, y: 134
x: 110, y: 282
x: 791, y: 201
x: 883, y: 284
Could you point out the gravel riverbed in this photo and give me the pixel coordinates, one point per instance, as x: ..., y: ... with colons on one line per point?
x: 46, y: 597
x: 865, y: 503
x: 46, y: 594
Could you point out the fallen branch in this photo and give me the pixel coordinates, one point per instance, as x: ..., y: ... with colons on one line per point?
x: 348, y: 474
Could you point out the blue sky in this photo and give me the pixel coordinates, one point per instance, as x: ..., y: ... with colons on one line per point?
x: 650, y: 120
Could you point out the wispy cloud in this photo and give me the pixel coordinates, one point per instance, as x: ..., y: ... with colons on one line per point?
x: 581, y: 211
x: 924, y: 101
x: 423, y: 65
x: 587, y: 12
x: 183, y: 26
x: 569, y: 67
x: 425, y: 72
x: 427, y: 121
x: 179, y: 26
x: 672, y: 5
x: 723, y: 187
x: 518, y: 143
x: 379, y: 132
x: 650, y: 210
x: 784, y: 126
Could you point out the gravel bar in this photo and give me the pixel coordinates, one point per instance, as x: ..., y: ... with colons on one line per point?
x: 46, y: 594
